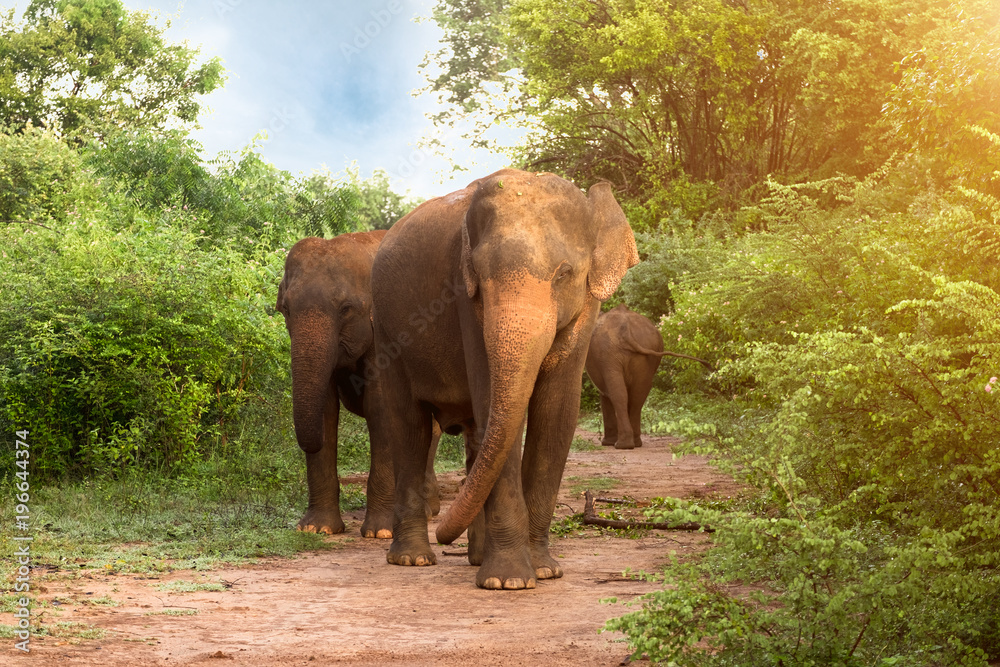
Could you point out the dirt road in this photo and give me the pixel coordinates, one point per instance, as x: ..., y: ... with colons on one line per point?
x: 348, y: 606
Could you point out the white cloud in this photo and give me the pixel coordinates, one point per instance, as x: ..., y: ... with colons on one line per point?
x: 330, y: 83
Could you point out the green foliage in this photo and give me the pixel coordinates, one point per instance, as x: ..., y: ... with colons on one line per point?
x: 694, y: 104
x: 471, y: 56
x: 40, y: 179
x: 947, y: 87
x: 378, y: 207
x: 132, y: 347
x: 353, y: 449
x: 857, y: 336
x: 568, y: 526
x: 88, y: 67
x: 450, y: 454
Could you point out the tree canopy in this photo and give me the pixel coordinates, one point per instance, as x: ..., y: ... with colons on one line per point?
x: 87, y: 67
x: 652, y: 94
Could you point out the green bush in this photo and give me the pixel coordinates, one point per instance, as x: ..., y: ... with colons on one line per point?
x: 134, y: 346
x: 40, y: 179
x: 859, y: 342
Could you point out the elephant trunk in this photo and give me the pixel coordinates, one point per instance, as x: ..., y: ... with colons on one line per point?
x: 519, y: 325
x: 313, y: 361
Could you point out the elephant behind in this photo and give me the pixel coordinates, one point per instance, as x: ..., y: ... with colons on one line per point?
x: 484, y: 303
x: 325, y: 296
x: 624, y: 353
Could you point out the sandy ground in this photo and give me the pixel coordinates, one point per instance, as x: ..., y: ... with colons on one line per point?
x: 348, y: 606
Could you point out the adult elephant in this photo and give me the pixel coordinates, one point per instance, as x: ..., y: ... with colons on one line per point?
x: 624, y: 353
x: 484, y: 303
x: 325, y: 296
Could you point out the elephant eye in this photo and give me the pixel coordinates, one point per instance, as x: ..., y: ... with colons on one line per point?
x: 562, y: 272
x: 347, y: 310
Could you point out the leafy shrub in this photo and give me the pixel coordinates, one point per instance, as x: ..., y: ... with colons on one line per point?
x: 858, y: 338
x: 40, y: 179
x: 137, y: 346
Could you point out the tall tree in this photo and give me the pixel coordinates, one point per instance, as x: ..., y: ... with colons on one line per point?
x: 652, y: 93
x: 87, y: 67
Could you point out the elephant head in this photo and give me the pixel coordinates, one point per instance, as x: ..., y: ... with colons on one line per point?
x: 537, y: 257
x: 325, y: 296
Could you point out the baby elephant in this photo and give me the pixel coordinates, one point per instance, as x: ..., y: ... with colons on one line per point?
x: 625, y: 351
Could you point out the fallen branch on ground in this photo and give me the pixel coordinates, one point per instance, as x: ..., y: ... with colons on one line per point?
x: 590, y: 518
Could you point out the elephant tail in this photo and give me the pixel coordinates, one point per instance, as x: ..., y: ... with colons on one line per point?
x: 645, y: 350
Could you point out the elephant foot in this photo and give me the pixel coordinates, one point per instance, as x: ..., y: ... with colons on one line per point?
x: 509, y: 572
x: 321, y: 521
x: 638, y: 442
x: 545, y: 565
x: 377, y: 526
x: 608, y: 443
x: 400, y: 554
x: 625, y: 444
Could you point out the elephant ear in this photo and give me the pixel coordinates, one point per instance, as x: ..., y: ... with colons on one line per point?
x: 468, y: 271
x: 280, y: 303
x: 615, y: 252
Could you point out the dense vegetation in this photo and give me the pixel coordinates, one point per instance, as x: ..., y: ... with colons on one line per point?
x: 816, y: 190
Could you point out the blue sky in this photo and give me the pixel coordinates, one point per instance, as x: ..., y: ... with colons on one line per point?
x: 330, y: 83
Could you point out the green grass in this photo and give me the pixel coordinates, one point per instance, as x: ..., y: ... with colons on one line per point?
x: 103, y: 601
x: 172, y: 612
x: 580, y: 484
x: 581, y: 444
x: 352, y: 497
x: 64, y: 629
x: 226, y: 509
x: 590, y: 420
x: 181, y: 586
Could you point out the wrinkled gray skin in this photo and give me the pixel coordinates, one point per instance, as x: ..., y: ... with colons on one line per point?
x: 325, y: 296
x: 624, y: 353
x: 484, y: 302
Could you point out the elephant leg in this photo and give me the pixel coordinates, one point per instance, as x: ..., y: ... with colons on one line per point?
x: 552, y: 418
x: 379, y: 512
x: 618, y: 395
x: 506, y: 558
x: 610, y: 423
x: 431, y: 490
x: 639, y: 391
x: 323, y: 512
x: 477, y: 530
x: 409, y: 428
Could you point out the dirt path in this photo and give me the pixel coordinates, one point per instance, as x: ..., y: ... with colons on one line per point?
x: 348, y: 606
